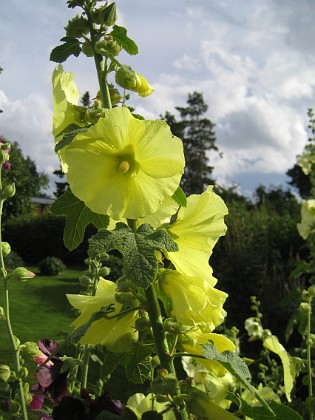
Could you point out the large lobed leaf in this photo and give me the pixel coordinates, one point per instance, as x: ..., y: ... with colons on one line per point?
x: 78, y: 216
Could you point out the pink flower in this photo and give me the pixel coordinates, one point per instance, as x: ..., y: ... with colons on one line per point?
x: 41, y: 358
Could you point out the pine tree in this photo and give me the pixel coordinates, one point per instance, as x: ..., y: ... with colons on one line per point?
x: 198, y: 136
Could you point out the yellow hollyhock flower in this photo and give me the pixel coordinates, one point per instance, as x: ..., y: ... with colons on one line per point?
x: 117, y: 334
x: 129, y: 165
x: 196, y: 231
x: 307, y: 225
x: 65, y: 98
x: 221, y: 342
x: 194, y: 301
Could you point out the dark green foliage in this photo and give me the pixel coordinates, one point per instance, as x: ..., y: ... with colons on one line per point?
x: 28, y: 182
x: 198, y: 136
x: 35, y: 238
x: 51, y: 266
x: 13, y: 260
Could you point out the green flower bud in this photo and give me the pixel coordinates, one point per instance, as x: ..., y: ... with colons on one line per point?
x: 87, y: 49
x: 165, y: 385
x: 8, y: 191
x: 22, y: 273
x: 108, y: 46
x: 77, y: 27
x: 104, y: 271
x: 5, y: 373
x: 143, y: 323
x: 2, y: 314
x: 127, y: 299
x: 124, y: 285
x: 85, y: 280
x: 6, y: 248
x: 23, y: 372
x: 305, y: 307
x: 4, y: 156
x: 108, y: 14
x: 93, y: 115
x: 311, y: 290
x: 31, y: 348
x: 126, y: 78
x: 79, y: 114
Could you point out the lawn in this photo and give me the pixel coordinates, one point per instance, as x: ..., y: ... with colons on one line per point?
x: 39, y: 307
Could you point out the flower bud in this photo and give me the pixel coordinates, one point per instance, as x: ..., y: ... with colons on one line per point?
x: 31, y: 348
x: 127, y: 299
x: 4, y: 156
x: 128, y: 79
x: 108, y: 14
x: 5, y: 373
x: 8, y: 191
x: 107, y: 46
x: 2, y: 314
x: 87, y: 49
x: 6, y: 248
x: 23, y: 372
x: 311, y: 290
x: 85, y: 281
x: 104, y: 271
x: 165, y: 385
x: 22, y: 273
x: 143, y: 323
x: 124, y: 285
x: 77, y: 27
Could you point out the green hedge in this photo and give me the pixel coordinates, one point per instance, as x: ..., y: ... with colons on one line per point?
x: 35, y: 238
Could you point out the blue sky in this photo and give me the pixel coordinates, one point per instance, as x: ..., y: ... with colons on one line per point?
x: 253, y: 60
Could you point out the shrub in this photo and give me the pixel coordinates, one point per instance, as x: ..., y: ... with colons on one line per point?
x: 13, y: 260
x: 51, y: 266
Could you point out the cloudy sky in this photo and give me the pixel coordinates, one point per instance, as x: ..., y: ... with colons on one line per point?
x: 254, y: 61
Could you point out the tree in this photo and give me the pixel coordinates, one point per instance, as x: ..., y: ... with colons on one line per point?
x: 28, y: 182
x: 299, y: 179
x: 61, y: 185
x: 198, y: 138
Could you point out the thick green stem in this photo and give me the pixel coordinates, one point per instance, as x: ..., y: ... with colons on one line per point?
x: 161, y: 344
x: 100, y: 65
x: 157, y: 328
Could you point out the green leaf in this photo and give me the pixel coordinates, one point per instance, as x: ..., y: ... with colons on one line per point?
x: 119, y: 33
x: 71, y: 47
x: 69, y: 134
x: 138, y: 364
x: 258, y: 412
x: 272, y: 343
x: 235, y: 365
x: 180, y: 197
x: 78, y: 216
x: 138, y: 249
x: 110, y: 363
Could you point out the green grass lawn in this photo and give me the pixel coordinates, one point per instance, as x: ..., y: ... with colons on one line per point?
x: 39, y: 308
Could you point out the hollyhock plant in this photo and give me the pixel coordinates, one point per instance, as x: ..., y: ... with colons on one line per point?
x: 129, y: 165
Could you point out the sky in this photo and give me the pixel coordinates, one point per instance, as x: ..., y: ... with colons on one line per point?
x: 253, y: 60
